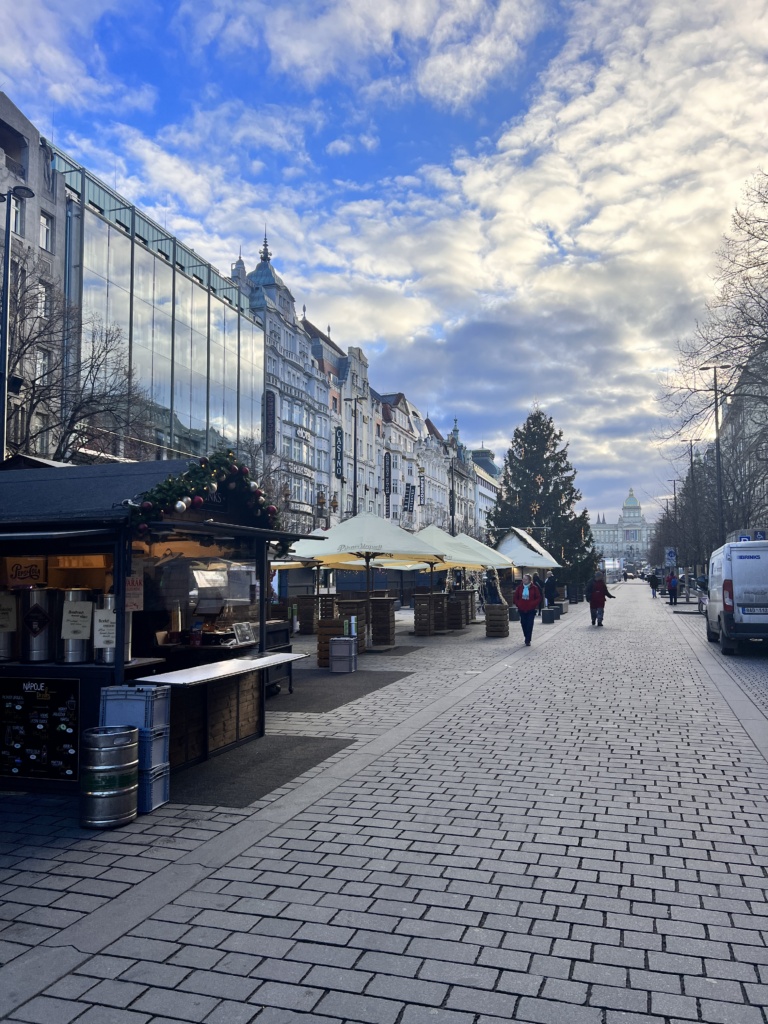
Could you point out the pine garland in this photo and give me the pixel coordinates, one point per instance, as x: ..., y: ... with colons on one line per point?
x: 203, y: 478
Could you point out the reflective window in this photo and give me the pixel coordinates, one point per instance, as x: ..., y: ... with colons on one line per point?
x: 96, y: 244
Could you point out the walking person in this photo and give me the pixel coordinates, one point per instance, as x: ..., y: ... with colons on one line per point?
x: 596, y: 593
x: 550, y: 589
x: 672, y: 587
x: 537, y: 582
x: 653, y: 583
x: 527, y: 598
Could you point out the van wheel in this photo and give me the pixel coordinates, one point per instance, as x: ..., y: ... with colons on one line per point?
x: 726, y: 646
x: 712, y: 636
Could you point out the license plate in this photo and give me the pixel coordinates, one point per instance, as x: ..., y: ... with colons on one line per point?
x: 754, y: 611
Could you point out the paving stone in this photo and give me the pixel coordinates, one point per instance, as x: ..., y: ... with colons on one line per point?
x: 185, y: 1006
x: 347, y: 1006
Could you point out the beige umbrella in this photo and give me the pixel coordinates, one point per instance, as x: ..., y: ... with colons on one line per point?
x: 492, y: 559
x: 368, y: 537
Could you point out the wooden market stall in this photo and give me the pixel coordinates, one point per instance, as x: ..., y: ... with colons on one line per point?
x: 101, y: 587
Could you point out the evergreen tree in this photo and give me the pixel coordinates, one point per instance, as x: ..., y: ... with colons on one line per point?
x: 538, y: 494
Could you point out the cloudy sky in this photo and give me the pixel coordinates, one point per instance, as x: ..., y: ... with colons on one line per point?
x: 504, y: 203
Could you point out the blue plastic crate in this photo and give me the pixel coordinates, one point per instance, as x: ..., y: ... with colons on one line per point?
x: 154, y: 788
x: 154, y: 746
x: 147, y: 707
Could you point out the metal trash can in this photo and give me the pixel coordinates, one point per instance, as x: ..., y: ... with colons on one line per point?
x: 109, y: 776
x: 77, y: 648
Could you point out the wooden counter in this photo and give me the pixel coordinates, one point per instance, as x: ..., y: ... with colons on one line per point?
x: 218, y: 705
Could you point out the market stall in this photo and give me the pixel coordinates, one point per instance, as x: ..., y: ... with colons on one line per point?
x: 111, y: 574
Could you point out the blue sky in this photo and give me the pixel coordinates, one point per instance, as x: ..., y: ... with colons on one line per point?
x: 501, y: 202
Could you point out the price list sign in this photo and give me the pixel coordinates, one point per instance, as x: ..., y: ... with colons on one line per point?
x: 40, y: 728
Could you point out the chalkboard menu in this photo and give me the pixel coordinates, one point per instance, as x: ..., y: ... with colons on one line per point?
x: 40, y: 728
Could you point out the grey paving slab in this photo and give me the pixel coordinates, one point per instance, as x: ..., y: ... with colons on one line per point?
x: 555, y: 833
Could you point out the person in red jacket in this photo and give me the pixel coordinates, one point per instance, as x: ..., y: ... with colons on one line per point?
x: 596, y: 594
x: 527, y: 598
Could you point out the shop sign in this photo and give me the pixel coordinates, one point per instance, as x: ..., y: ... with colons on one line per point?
x: 387, y: 473
x: 387, y: 506
x: 134, y: 588
x: 20, y: 572
x: 410, y: 496
x: 338, y: 453
x: 303, y: 433
x: 269, y: 421
x: 422, y: 489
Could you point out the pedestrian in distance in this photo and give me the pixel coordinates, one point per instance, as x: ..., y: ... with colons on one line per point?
x: 653, y: 583
x: 550, y: 589
x: 672, y: 587
x: 596, y: 593
x: 527, y: 598
x: 537, y: 582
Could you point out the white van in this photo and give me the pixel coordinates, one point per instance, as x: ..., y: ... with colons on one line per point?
x: 737, y: 606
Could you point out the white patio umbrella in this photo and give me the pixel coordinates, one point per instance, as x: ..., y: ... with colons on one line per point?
x: 492, y: 559
x: 368, y: 537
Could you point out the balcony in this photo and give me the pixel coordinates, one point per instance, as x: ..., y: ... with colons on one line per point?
x: 15, y: 167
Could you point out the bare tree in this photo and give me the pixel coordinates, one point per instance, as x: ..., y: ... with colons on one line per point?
x: 71, y: 382
x: 722, y: 371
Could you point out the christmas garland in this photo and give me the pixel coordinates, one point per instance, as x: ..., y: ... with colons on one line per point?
x: 203, y: 478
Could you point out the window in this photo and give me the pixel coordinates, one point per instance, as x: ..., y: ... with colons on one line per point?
x: 46, y: 232
x: 17, y: 216
x: 45, y: 301
x: 43, y: 361
x: 42, y: 440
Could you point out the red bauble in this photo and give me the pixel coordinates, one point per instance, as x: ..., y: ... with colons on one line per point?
x: 244, y: 471
x: 272, y: 510
x: 147, y: 506
x: 197, y: 501
x: 143, y: 527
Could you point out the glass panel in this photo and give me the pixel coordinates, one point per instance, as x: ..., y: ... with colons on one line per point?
x: 119, y: 259
x: 162, y: 335
x: 199, y: 310
x: 118, y: 309
x: 144, y: 274
x: 182, y: 394
x: 96, y: 244
x: 163, y: 286
x: 142, y: 323
x: 199, y: 352
x: 199, y: 396
x: 182, y: 350
x: 94, y: 295
x: 183, y: 300
x: 161, y: 381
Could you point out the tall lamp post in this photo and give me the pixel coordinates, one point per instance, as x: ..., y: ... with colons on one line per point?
x: 690, y: 441
x: 17, y: 192
x: 718, y: 463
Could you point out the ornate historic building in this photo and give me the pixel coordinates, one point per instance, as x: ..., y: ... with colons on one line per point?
x: 629, y: 538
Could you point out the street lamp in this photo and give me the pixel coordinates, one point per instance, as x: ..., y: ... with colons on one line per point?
x: 690, y: 441
x: 17, y: 192
x: 718, y: 462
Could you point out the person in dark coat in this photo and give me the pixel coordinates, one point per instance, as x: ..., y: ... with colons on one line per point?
x: 596, y: 593
x: 550, y: 589
x: 653, y: 583
x: 537, y: 582
x: 527, y: 598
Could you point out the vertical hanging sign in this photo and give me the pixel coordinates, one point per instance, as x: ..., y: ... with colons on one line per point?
x: 387, y: 474
x: 422, y: 495
x: 269, y: 420
x: 338, y: 453
x: 387, y: 506
x: 411, y: 496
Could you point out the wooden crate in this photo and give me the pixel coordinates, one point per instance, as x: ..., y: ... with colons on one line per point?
x: 383, y: 621
x: 423, y: 615
x: 307, y: 604
x: 496, y: 620
x: 457, y: 613
x: 440, y: 611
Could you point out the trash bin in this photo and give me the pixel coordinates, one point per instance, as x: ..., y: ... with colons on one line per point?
x: 109, y: 776
x: 573, y: 593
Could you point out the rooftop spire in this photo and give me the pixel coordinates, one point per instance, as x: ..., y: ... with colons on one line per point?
x: 265, y: 253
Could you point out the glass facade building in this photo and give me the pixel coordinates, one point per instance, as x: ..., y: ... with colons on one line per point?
x: 195, y: 349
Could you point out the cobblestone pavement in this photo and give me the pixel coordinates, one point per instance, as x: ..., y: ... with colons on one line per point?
x: 572, y: 832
